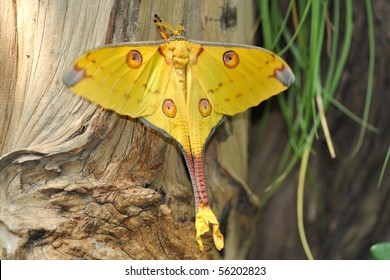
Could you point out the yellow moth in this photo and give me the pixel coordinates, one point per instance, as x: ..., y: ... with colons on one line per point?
x: 183, y: 89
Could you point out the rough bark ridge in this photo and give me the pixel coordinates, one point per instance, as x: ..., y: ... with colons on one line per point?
x: 79, y: 182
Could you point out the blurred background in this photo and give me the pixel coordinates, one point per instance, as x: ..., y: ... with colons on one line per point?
x: 340, y: 52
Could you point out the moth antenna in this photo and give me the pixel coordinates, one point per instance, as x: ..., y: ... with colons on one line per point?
x: 164, y: 27
x: 157, y: 18
x: 161, y: 27
x: 180, y: 29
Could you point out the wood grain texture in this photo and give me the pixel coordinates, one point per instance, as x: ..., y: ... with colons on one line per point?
x: 80, y: 182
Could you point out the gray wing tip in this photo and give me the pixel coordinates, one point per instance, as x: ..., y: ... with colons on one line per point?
x: 285, y: 76
x: 73, y: 76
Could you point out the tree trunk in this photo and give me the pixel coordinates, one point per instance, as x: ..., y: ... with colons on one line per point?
x: 80, y: 182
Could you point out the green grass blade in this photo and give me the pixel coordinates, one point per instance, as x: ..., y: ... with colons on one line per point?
x: 300, y: 198
x: 370, y: 81
x: 383, y: 168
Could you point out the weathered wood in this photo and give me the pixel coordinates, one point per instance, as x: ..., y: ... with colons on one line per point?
x: 80, y: 182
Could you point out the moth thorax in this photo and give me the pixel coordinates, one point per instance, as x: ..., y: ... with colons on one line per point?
x: 180, y: 70
x: 181, y: 77
x: 180, y: 62
x: 180, y: 55
x: 181, y: 74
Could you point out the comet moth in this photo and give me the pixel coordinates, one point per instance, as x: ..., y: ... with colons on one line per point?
x: 183, y: 89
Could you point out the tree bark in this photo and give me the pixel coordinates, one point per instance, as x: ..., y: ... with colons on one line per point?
x: 80, y: 182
